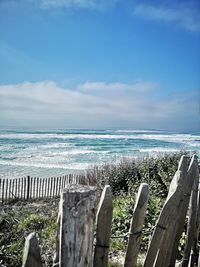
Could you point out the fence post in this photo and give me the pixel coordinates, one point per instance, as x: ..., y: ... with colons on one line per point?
x: 103, y: 221
x: 77, y: 206
x: 136, y: 226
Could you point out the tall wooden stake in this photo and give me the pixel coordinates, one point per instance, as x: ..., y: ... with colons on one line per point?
x: 103, y: 221
x: 77, y: 208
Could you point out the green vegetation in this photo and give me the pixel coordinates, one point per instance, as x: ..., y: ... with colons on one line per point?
x: 20, y: 219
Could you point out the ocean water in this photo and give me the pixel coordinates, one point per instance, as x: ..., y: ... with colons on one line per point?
x: 53, y: 153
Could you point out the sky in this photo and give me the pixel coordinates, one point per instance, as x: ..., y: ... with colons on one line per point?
x: 100, y: 64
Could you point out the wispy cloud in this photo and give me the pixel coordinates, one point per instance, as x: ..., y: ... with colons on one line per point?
x: 60, y: 4
x: 84, y: 4
x: 45, y: 104
x: 102, y: 86
x: 183, y: 15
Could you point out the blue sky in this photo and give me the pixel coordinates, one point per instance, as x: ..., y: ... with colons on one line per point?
x: 100, y: 64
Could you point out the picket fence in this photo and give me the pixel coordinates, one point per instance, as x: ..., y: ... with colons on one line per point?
x: 77, y: 247
x: 26, y: 188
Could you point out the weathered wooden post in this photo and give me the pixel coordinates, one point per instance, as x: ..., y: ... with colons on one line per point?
x: 56, y: 255
x: 176, y: 226
x: 191, y: 227
x: 196, y: 255
x: 168, y: 215
x: 31, y: 257
x: 77, y: 210
x: 136, y: 226
x: 103, y: 222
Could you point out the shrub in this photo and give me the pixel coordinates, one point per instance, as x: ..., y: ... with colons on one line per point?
x: 126, y: 176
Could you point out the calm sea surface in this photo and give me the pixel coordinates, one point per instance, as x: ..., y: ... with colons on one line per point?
x: 46, y: 153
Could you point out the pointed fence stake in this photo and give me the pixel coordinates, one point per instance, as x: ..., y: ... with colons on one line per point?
x: 136, y: 226
x: 31, y: 257
x: 191, y: 228
x: 103, y: 221
x: 169, y: 214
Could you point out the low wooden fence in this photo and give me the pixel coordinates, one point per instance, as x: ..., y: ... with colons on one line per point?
x: 26, y: 188
x: 77, y: 247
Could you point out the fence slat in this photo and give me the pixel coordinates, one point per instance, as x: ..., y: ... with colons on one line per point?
x: 62, y: 182
x: 103, y: 221
x: 7, y: 191
x: 19, y: 188
x: 56, y: 186
x: 68, y: 179
x: 49, y: 190
x: 16, y: 193
x: 30, y: 190
x: 43, y: 186
x: 136, y: 226
x: 46, y: 187
x: 13, y: 189
x: 36, y: 187
x: 33, y: 187
x: 53, y: 192
x: 22, y: 185
x: 49, y: 187
x: 59, y: 185
x: 3, y: 191
x: 40, y: 187
x: 51, y: 195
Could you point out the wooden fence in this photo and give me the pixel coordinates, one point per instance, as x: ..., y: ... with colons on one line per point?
x: 26, y: 188
x: 75, y: 238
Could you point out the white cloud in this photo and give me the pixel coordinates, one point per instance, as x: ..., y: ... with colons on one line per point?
x: 184, y: 16
x: 45, y: 104
x: 85, y: 4
x: 102, y: 86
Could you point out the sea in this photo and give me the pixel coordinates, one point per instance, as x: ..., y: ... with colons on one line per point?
x: 60, y: 152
